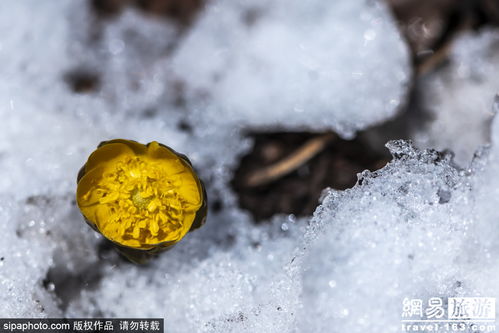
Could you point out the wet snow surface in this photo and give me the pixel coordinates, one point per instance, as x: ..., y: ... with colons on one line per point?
x: 419, y: 227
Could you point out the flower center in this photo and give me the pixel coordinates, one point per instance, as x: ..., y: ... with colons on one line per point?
x: 139, y: 199
x: 140, y: 202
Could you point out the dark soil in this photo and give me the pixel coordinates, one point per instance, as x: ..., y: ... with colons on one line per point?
x: 180, y: 11
x: 298, y: 192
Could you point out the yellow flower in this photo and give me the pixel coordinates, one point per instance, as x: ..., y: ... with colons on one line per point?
x: 141, y: 197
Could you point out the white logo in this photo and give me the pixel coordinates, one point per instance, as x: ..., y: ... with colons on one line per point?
x: 476, y: 314
x: 472, y: 308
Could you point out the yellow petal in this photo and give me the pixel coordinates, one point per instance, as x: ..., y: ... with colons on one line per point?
x: 128, y: 187
x: 106, y: 153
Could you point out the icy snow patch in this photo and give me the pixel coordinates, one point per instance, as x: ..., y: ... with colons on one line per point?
x: 418, y: 228
x: 397, y: 234
x: 457, y: 97
x: 292, y: 65
x: 250, y: 287
x: 295, y: 64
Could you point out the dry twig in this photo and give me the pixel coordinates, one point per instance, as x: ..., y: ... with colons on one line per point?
x: 290, y: 163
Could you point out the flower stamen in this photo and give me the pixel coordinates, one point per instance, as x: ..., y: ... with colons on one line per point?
x: 140, y: 200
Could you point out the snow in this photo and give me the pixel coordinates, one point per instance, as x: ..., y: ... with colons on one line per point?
x: 387, y: 240
x: 418, y: 227
x: 457, y: 98
x: 283, y: 69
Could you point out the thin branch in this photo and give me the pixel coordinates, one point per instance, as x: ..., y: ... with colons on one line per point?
x: 290, y: 163
x: 435, y: 59
x: 443, y: 52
